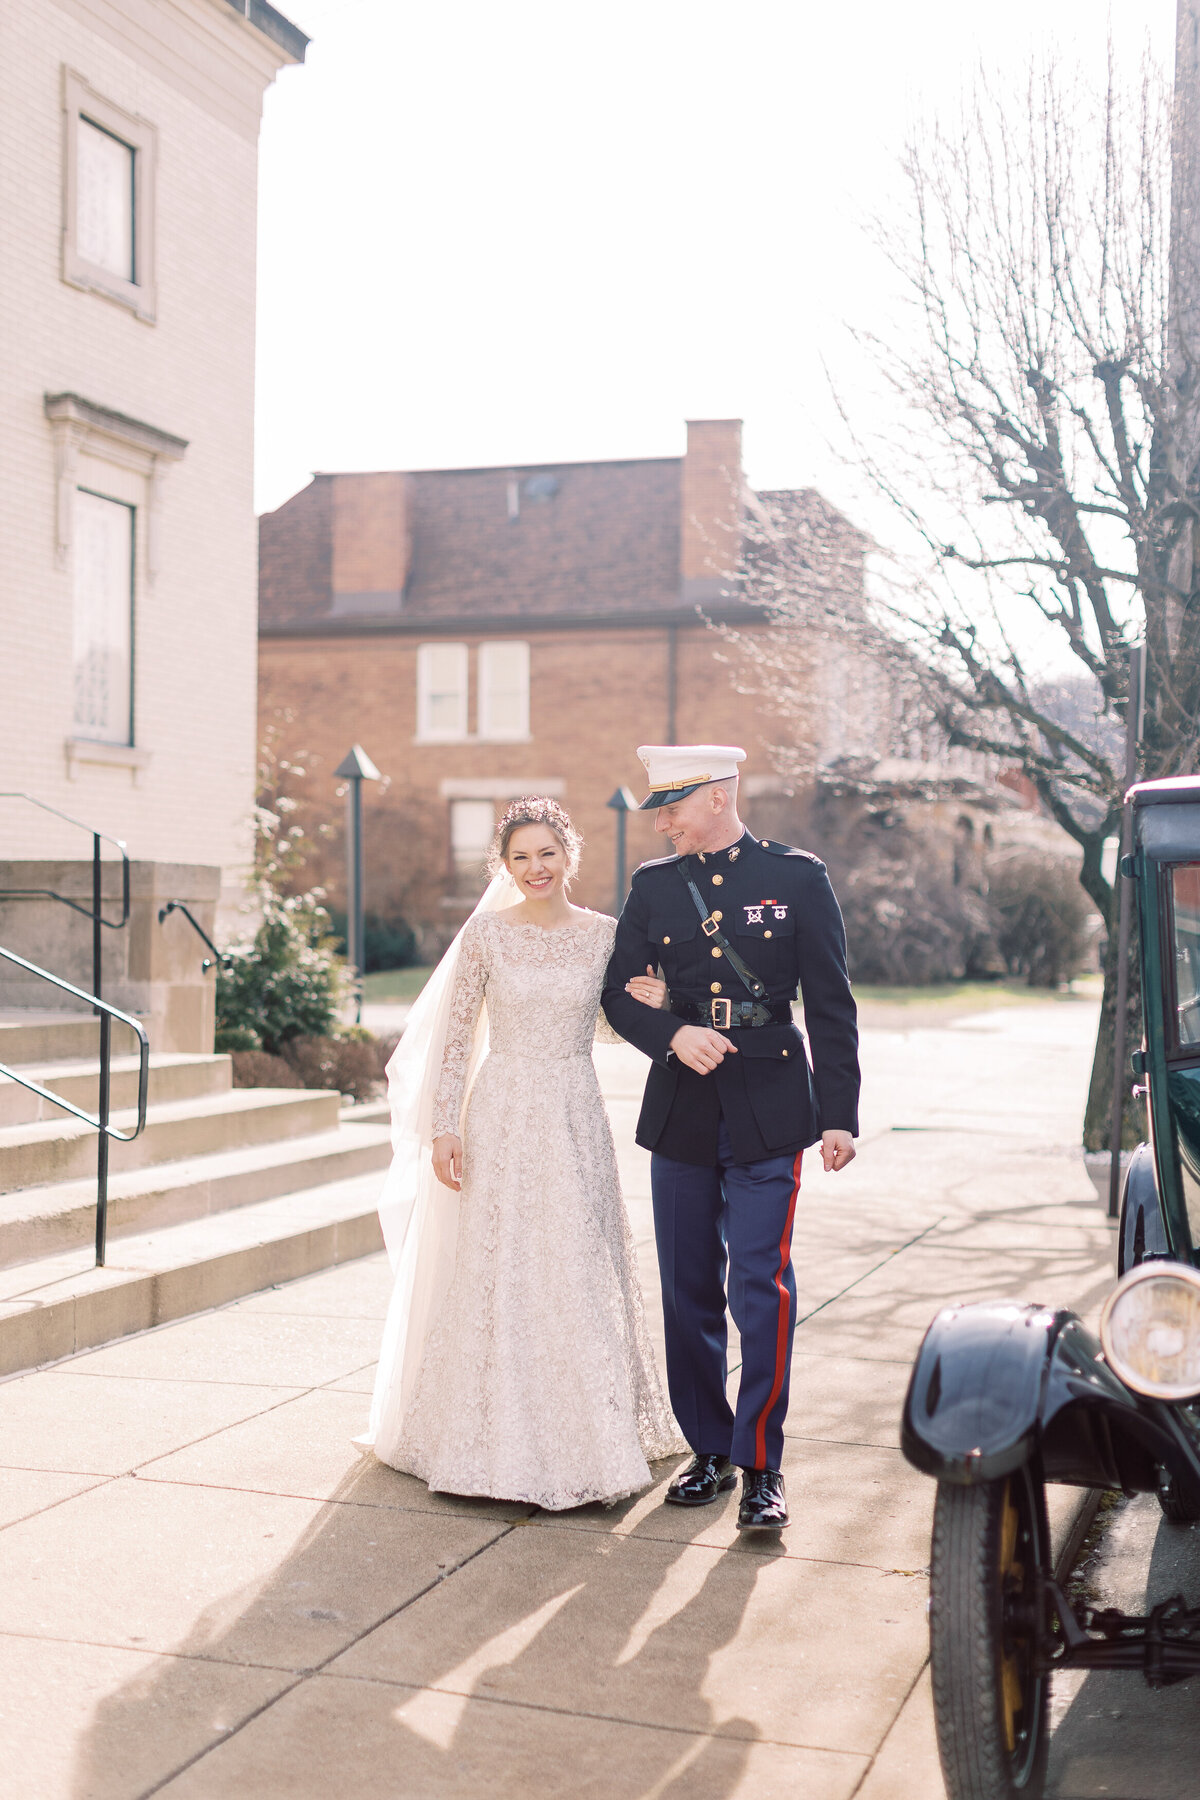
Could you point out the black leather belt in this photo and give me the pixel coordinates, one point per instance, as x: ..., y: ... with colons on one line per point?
x: 731, y: 1015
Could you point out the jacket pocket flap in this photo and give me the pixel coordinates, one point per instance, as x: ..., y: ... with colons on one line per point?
x: 680, y: 931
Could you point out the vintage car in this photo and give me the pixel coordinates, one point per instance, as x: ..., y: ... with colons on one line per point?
x: 1006, y: 1397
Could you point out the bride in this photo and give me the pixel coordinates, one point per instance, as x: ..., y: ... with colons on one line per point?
x: 515, y: 1359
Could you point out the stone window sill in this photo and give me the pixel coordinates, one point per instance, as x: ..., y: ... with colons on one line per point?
x: 469, y: 742
x: 114, y: 756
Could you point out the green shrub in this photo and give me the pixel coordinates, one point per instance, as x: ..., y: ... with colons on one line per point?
x: 1042, y: 916
x: 348, y: 1065
x: 289, y: 983
x: 905, y: 928
x: 255, y: 1069
x: 388, y: 942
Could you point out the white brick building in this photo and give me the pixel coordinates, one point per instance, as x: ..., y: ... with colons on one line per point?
x: 128, y: 557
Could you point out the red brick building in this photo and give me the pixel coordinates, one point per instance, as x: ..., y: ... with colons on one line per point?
x: 490, y: 632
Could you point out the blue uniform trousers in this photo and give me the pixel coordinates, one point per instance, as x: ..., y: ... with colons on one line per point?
x: 736, y: 1217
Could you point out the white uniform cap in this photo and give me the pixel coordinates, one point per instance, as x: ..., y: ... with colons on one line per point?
x: 674, y: 770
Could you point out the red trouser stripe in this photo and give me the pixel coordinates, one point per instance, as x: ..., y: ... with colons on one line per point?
x: 781, y: 1336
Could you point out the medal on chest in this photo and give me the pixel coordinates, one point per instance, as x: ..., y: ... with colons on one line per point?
x: 756, y: 912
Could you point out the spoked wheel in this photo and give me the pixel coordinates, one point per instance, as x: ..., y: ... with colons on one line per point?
x: 990, y: 1558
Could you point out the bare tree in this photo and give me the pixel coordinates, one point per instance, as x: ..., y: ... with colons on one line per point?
x: 1046, y: 455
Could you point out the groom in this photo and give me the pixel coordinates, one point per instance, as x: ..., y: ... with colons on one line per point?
x: 736, y: 923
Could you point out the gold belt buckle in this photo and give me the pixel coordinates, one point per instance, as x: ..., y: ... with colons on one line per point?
x: 722, y: 1014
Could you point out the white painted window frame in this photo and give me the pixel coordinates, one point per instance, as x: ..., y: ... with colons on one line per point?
x: 83, y: 731
x: 471, y: 863
x: 82, y: 101
x: 427, y: 732
x: 489, y: 731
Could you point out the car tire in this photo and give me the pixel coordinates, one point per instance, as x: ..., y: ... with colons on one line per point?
x: 989, y: 1564
x: 1180, y: 1502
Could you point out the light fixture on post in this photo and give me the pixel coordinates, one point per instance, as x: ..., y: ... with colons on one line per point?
x: 622, y: 803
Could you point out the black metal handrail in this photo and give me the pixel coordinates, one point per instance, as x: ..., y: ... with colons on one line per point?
x: 96, y: 911
x: 100, y: 1121
x: 221, y: 959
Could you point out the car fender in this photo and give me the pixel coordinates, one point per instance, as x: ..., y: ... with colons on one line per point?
x: 995, y: 1384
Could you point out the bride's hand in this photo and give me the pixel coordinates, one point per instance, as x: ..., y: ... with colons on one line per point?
x: 648, y: 989
x: 447, y: 1160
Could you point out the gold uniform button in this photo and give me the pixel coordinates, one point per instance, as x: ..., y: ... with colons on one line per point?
x: 718, y: 916
x: 785, y: 1053
x: 716, y: 953
x: 666, y: 940
x: 717, y: 880
x: 716, y: 987
x: 766, y: 934
x: 765, y: 842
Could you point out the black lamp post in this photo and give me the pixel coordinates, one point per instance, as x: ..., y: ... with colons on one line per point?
x: 622, y: 803
x: 355, y: 768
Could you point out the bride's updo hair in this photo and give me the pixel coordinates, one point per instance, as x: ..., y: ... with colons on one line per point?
x: 535, y: 809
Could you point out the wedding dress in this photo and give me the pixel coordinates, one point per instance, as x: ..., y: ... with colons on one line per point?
x: 534, y: 1378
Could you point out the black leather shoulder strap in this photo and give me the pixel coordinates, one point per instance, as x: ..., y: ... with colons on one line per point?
x: 712, y: 932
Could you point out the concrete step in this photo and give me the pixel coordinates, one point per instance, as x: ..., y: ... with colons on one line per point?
x: 172, y: 1077
x: 60, y: 1304
x: 65, y: 1150
x: 45, y: 1221
x: 367, y: 1112
x: 27, y: 1036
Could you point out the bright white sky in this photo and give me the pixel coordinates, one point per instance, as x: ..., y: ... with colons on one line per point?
x: 547, y: 231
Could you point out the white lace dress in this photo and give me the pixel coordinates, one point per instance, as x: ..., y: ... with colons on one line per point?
x: 538, y: 1380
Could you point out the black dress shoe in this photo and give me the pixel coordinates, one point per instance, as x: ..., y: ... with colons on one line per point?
x: 764, y: 1503
x: 704, y: 1478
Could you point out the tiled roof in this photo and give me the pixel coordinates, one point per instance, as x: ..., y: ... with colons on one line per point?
x: 587, y: 537
x: 557, y: 538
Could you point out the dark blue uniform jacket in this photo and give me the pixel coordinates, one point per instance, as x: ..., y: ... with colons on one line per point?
x: 779, y: 914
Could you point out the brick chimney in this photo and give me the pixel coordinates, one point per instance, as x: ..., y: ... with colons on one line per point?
x: 371, y: 543
x: 711, y: 521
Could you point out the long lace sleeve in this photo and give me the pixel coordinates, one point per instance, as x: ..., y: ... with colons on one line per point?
x: 470, y: 979
x: 604, y: 1033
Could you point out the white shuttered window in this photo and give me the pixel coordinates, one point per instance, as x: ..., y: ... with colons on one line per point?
x: 104, y: 225
x: 442, y: 692
x: 103, y: 619
x: 472, y: 825
x: 504, y: 689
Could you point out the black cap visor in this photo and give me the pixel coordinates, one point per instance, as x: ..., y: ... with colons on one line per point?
x: 667, y: 796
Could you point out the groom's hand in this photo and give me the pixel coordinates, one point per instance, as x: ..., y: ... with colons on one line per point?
x: 701, y: 1048
x: 837, y: 1149
x: 447, y: 1160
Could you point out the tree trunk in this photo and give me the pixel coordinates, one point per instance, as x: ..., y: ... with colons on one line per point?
x: 1097, y: 1126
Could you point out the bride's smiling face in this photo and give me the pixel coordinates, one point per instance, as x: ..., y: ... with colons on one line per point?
x: 536, y: 861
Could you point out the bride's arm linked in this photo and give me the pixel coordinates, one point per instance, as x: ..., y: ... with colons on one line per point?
x: 650, y: 989
x: 470, y: 980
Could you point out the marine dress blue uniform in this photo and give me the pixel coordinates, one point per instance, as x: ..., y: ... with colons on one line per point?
x: 727, y: 1146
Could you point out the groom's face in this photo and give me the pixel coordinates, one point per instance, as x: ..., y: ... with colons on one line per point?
x: 694, y: 822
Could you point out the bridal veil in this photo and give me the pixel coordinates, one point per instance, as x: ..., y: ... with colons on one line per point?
x: 418, y: 1215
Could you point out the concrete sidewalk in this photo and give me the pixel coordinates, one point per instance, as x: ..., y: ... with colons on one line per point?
x: 209, y: 1593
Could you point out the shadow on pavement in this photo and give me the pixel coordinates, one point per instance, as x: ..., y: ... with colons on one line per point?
x: 542, y: 1662
x: 1119, y: 1739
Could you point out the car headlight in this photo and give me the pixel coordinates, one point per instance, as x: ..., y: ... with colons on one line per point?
x: 1150, y: 1329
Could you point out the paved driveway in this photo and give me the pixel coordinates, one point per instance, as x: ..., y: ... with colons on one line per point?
x: 208, y: 1593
